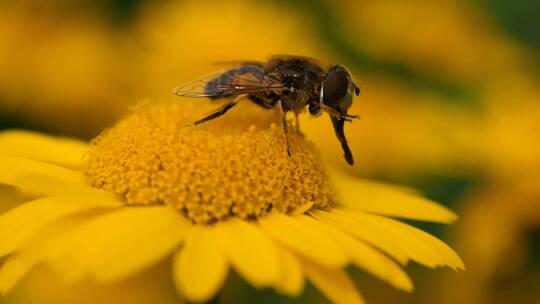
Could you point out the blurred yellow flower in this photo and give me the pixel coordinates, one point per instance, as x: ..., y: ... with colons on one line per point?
x: 60, y: 66
x: 402, y: 133
x: 494, y: 237
x: 452, y: 38
x: 184, y: 40
x: 224, y: 194
x: 494, y: 131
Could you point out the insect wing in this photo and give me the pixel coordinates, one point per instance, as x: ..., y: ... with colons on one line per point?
x: 241, y: 80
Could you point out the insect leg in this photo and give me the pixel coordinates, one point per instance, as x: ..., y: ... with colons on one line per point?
x: 285, y: 129
x: 297, y: 123
x: 340, y: 134
x: 220, y: 111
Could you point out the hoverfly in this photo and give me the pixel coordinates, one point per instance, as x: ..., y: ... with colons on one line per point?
x: 290, y: 83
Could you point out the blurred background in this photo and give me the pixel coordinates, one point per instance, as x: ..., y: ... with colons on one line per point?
x: 450, y: 106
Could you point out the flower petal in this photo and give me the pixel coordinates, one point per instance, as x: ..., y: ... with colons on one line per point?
x: 60, y: 151
x: 292, y: 279
x: 334, y: 283
x: 417, y: 244
x: 35, y: 250
x: 373, y: 237
x: 11, y: 198
x: 38, y: 177
x: 310, y: 243
x: 115, y: 245
x: 250, y: 251
x: 11, y: 272
x: 415, y: 238
x: 200, y: 267
x: 363, y: 255
x: 389, y: 200
x: 20, y: 223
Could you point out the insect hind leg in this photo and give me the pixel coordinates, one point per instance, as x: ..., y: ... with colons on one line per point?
x: 219, y: 112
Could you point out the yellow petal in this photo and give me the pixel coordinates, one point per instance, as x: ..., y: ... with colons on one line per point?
x: 88, y: 195
x: 417, y: 240
x: 11, y: 198
x: 364, y: 256
x: 61, y: 151
x: 304, y: 240
x: 46, y: 179
x: 388, y: 200
x: 291, y: 281
x: 37, y: 177
x: 250, y: 251
x: 36, y: 249
x: 417, y: 244
x: 40, y: 186
x: 11, y: 272
x: 200, y: 267
x: 334, y: 283
x: 370, y: 236
x: 18, y: 224
x: 414, y: 251
x: 115, y: 245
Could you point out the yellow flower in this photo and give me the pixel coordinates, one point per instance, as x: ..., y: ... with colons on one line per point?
x: 217, y: 196
x: 461, y: 42
x: 104, y: 69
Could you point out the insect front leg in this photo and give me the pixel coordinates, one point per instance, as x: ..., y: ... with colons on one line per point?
x: 224, y: 109
x: 284, y: 123
x: 297, y: 123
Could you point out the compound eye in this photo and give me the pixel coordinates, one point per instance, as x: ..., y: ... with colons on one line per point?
x: 336, y: 89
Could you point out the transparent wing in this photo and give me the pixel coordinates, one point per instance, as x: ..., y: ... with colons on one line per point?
x: 196, y: 88
x: 243, y: 79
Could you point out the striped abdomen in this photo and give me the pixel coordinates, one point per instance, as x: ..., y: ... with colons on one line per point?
x: 234, y: 80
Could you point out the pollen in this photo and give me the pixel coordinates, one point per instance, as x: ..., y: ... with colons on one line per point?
x: 236, y: 165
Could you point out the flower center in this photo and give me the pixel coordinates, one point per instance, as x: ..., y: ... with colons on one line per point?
x: 235, y: 165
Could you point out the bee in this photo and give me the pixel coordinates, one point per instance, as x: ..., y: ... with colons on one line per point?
x: 288, y: 83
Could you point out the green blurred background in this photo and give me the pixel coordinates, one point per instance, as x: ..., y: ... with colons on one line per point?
x: 450, y: 106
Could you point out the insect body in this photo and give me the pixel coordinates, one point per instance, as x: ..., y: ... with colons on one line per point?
x: 289, y: 83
